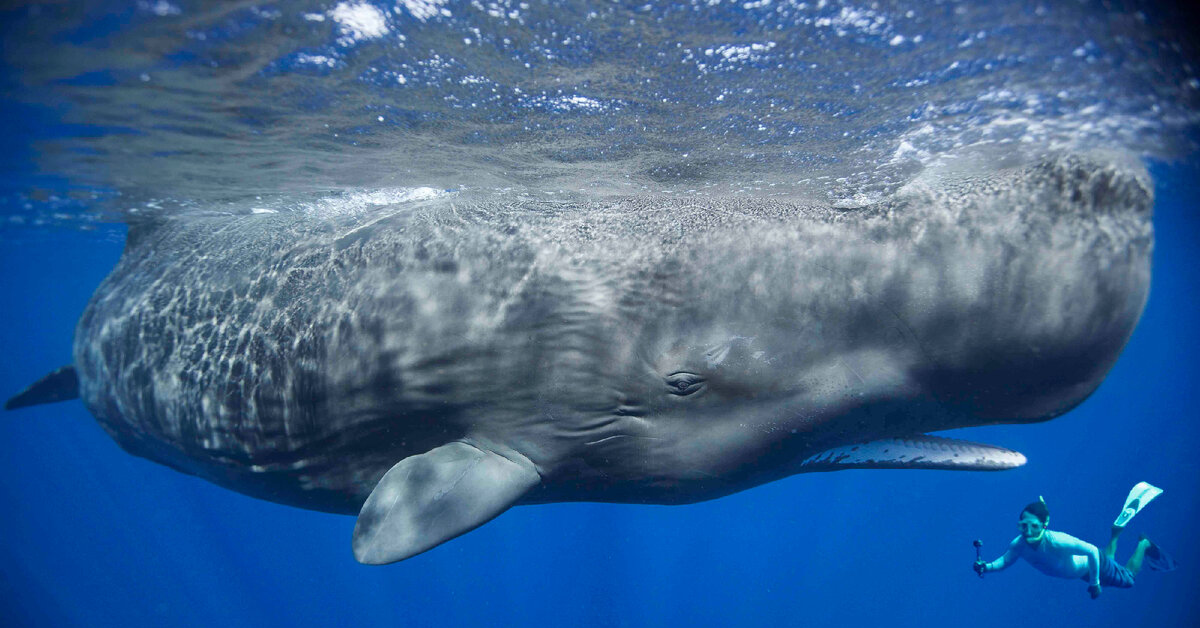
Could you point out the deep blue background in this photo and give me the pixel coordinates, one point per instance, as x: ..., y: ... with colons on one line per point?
x: 91, y: 536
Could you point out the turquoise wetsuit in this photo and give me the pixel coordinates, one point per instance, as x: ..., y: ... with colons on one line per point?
x: 1057, y: 554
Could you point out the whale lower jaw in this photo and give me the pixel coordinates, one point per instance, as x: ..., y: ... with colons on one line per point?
x: 916, y: 452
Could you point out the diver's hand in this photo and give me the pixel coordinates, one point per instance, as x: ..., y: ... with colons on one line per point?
x: 1094, y: 590
x: 980, y: 567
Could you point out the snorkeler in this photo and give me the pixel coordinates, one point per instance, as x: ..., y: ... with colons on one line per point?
x: 1064, y: 556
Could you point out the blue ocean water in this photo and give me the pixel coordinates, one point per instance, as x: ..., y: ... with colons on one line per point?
x: 92, y: 536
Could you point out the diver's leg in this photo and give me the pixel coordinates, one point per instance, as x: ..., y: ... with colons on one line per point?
x: 1111, y: 549
x: 1139, y: 554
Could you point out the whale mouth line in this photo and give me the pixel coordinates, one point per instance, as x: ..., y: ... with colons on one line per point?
x: 920, y: 451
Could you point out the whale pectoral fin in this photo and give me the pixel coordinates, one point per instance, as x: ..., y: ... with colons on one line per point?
x: 429, y: 499
x: 61, y: 385
x: 917, y: 452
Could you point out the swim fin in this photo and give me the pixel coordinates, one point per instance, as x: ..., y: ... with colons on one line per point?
x: 1143, y: 493
x: 1157, y: 559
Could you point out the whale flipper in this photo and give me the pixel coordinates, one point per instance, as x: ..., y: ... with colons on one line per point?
x: 61, y: 385
x: 917, y: 452
x: 429, y: 499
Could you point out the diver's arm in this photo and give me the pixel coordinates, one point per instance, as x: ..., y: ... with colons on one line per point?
x: 1004, y: 561
x: 1093, y: 556
x: 1083, y: 548
x: 1093, y: 565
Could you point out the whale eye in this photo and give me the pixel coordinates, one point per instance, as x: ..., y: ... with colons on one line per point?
x: 684, y: 384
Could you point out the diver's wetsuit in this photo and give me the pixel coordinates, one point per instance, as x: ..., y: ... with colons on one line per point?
x: 1063, y: 556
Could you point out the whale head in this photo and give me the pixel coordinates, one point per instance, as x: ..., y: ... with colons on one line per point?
x: 763, y: 346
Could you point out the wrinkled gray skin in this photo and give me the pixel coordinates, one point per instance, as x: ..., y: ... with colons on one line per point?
x: 640, y: 350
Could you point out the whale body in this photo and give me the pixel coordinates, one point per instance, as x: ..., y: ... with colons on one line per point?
x: 429, y: 364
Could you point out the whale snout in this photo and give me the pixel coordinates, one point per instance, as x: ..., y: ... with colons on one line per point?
x: 1043, y: 315
x: 1076, y: 183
